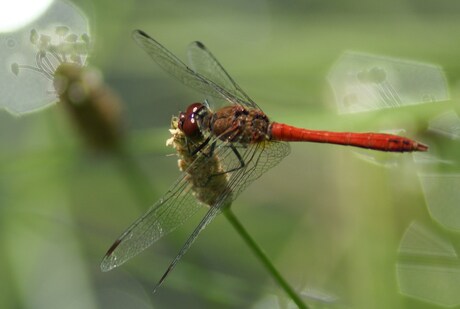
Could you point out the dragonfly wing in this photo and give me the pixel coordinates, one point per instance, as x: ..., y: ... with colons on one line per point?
x: 210, y: 215
x: 174, y: 66
x: 176, y: 206
x: 173, y: 209
x: 202, y: 61
x: 180, y: 203
x: 258, y: 159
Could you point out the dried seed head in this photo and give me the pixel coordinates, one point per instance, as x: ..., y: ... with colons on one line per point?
x: 206, y: 175
x: 93, y: 107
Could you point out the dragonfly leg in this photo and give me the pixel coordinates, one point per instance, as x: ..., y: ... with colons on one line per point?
x: 200, y: 148
x: 240, y: 159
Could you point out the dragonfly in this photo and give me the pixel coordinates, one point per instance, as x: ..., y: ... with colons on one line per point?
x: 222, y: 150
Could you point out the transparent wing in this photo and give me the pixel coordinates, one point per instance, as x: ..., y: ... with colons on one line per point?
x: 173, y: 209
x: 174, y: 66
x: 203, y: 62
x: 179, y: 203
x: 258, y: 158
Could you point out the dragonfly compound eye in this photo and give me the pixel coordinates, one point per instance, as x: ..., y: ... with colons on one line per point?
x: 188, y: 120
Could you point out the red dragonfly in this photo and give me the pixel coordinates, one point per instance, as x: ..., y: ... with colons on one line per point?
x: 237, y: 137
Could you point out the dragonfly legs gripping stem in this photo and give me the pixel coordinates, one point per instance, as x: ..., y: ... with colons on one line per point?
x: 210, y: 153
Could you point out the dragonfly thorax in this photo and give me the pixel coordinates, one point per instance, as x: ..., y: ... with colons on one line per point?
x: 235, y: 123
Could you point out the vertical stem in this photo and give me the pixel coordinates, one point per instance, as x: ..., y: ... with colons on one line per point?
x: 263, y: 258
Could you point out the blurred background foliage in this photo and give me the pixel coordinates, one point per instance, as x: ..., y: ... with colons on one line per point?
x: 334, y: 225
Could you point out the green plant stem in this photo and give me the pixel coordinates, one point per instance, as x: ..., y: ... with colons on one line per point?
x: 263, y: 258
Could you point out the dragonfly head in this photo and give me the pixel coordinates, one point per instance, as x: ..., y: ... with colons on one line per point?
x: 188, y: 120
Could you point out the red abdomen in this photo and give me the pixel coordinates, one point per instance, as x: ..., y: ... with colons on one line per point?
x: 376, y: 141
